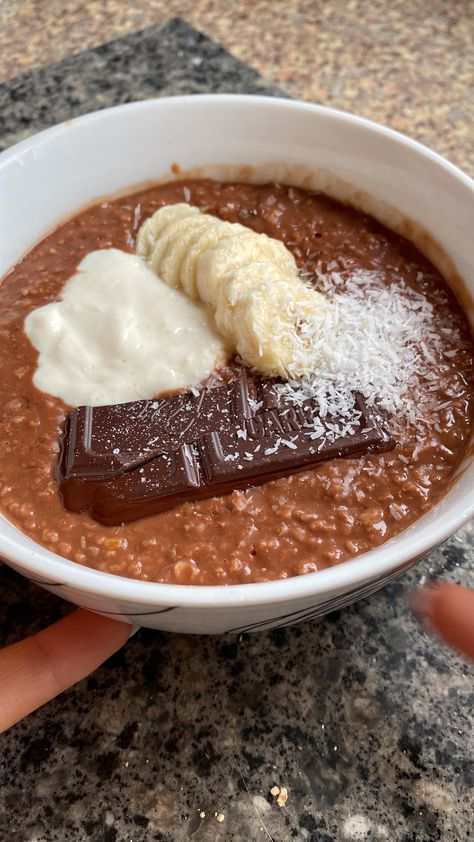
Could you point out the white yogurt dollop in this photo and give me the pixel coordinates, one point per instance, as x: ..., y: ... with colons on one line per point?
x: 118, y: 333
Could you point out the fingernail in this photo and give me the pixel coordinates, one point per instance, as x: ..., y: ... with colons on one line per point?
x: 133, y: 630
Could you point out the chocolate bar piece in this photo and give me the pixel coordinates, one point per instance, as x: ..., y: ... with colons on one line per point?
x: 129, y: 461
x: 105, y: 441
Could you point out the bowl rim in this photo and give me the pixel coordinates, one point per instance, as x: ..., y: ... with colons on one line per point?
x: 413, y: 543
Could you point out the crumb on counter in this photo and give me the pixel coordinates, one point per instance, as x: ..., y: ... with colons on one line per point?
x: 281, y: 795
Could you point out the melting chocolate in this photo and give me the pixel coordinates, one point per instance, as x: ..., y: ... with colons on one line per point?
x: 131, y: 460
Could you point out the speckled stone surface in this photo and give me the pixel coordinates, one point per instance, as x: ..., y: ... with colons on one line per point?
x: 164, y: 60
x: 365, y: 719
x: 409, y: 65
x: 362, y: 717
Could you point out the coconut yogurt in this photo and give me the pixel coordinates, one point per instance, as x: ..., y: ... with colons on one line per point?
x: 118, y: 333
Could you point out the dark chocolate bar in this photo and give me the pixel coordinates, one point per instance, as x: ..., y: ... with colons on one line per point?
x: 108, y: 440
x: 132, y: 460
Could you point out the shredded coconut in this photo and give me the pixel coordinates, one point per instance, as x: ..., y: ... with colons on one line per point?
x: 377, y: 339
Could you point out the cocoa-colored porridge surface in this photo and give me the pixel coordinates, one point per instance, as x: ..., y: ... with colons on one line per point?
x: 287, y: 527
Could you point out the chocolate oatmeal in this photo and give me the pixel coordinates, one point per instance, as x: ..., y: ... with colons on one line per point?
x: 286, y: 527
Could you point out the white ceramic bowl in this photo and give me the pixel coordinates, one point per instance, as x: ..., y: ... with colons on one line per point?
x: 54, y: 174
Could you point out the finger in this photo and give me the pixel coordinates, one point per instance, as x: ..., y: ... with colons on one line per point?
x: 35, y: 670
x: 448, y: 610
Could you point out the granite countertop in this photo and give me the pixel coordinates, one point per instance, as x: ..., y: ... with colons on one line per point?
x: 405, y: 64
x: 363, y: 718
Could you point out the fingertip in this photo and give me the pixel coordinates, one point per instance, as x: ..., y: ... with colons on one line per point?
x: 448, y: 610
x: 422, y: 603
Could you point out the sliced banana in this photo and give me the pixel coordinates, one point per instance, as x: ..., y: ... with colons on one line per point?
x: 173, y: 244
x: 208, y: 239
x: 267, y: 325
x: 250, y: 280
x: 237, y: 288
x: 234, y: 252
x: 261, y: 327
x: 151, y: 229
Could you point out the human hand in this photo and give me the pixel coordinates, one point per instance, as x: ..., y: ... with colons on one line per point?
x: 35, y: 670
x: 447, y: 610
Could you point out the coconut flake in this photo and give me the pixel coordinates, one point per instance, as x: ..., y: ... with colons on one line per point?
x: 384, y: 341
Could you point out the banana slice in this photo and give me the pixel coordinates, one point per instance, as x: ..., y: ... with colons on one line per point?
x: 259, y: 328
x: 215, y: 230
x: 267, y: 327
x: 151, y: 229
x: 237, y: 286
x: 234, y: 252
x: 172, y: 245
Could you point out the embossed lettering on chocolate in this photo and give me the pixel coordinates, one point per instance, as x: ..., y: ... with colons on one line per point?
x: 128, y: 461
